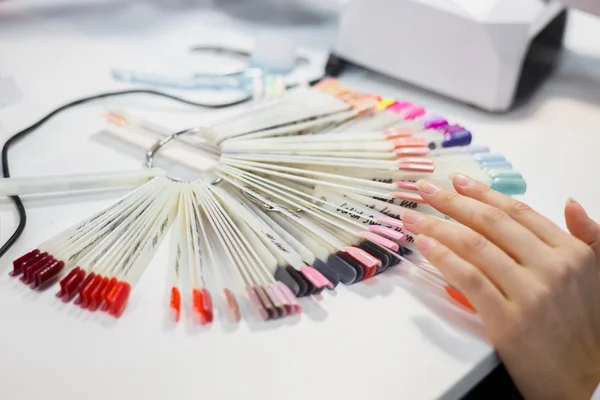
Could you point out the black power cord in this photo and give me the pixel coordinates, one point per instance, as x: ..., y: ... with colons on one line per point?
x: 18, y: 136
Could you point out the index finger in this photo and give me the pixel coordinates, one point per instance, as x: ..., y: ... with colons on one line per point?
x: 494, y: 224
x: 542, y: 227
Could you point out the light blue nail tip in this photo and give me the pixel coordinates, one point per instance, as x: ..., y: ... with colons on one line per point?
x: 511, y: 174
x: 482, y: 158
x: 509, y: 187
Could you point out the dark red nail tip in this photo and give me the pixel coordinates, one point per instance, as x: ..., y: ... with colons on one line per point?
x: 63, y: 282
x: 72, y: 287
x: 43, y: 276
x: 18, y: 263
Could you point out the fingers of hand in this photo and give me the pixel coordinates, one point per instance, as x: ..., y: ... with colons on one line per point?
x: 582, y: 226
x: 471, y: 246
x: 539, y: 225
x: 493, y: 223
x: 483, y: 295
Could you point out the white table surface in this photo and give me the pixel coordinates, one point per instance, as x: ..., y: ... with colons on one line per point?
x: 387, y: 339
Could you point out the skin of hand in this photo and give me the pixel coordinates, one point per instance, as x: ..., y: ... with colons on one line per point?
x: 535, y: 286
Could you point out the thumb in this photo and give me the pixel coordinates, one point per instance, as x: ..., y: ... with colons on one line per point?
x: 581, y: 225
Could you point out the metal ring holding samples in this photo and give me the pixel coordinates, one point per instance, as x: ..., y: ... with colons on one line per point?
x: 151, y: 153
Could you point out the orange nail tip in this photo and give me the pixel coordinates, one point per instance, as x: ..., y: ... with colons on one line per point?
x: 409, y: 142
x: 232, y: 306
x: 459, y: 297
x: 392, y: 133
x: 207, y: 305
x: 411, y: 151
x: 119, y: 299
x: 175, y: 303
x: 199, y: 316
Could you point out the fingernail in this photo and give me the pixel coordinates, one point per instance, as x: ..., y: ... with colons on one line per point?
x: 425, y: 243
x: 411, y: 217
x: 460, y: 180
x: 572, y: 200
x: 427, y: 187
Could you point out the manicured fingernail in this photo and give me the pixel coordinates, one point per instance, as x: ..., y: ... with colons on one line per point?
x: 460, y: 180
x: 425, y: 243
x: 411, y: 217
x: 427, y: 187
x: 572, y: 200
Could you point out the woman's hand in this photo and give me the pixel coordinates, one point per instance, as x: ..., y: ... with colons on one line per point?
x: 535, y: 286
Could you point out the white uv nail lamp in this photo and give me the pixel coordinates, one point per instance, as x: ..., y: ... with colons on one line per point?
x: 487, y: 53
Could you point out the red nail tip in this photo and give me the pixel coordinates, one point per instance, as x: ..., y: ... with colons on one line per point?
x: 119, y: 299
x: 43, y: 276
x: 28, y: 271
x: 72, y: 287
x: 87, y: 292
x: 233, y: 306
x: 207, y: 305
x: 460, y: 298
x: 64, y: 280
x: 176, y: 303
x: 88, y: 280
x: 112, y: 283
x: 96, y: 298
x: 18, y: 263
x: 103, y: 293
x: 198, y: 308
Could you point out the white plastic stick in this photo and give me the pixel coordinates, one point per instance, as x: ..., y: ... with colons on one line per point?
x: 68, y: 183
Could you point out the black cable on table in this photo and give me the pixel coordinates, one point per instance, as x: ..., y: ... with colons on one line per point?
x: 18, y: 136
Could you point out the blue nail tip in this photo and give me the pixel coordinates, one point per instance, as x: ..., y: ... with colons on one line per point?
x: 454, y: 139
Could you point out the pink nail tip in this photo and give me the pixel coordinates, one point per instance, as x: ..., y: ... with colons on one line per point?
x: 375, y: 238
x: 291, y: 297
x: 408, y: 197
x: 411, y: 151
x: 416, y: 167
x: 390, y: 221
x: 413, y: 112
x: 315, y: 277
x: 400, y: 105
x: 274, y: 291
x: 417, y: 160
x: 362, y: 257
x: 387, y: 232
x: 407, y: 185
x: 256, y: 304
